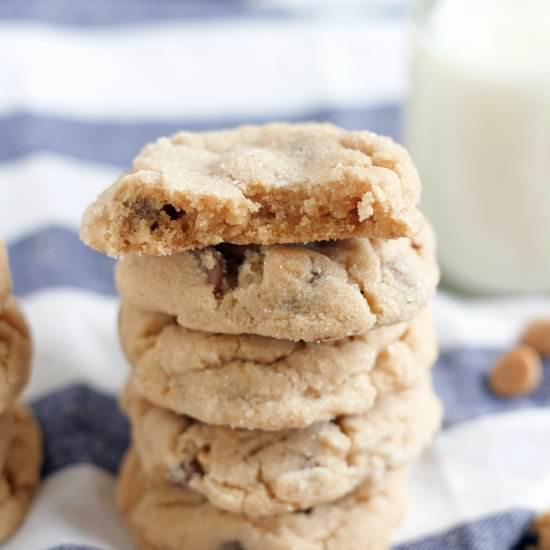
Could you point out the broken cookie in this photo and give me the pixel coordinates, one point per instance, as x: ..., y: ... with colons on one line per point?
x: 274, y: 184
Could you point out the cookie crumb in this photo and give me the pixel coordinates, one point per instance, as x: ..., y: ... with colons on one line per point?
x: 537, y: 336
x: 516, y: 373
x: 541, y: 527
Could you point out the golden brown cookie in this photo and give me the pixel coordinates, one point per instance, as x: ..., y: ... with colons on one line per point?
x: 5, y: 276
x: 322, y: 291
x: 259, y: 473
x: 273, y: 184
x: 163, y: 516
x: 262, y: 383
x: 15, y: 353
x: 21, y: 473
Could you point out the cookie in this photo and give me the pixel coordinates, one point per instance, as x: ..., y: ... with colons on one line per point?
x: 164, y: 516
x: 15, y: 353
x: 260, y: 473
x: 326, y: 290
x: 21, y: 473
x: 273, y: 184
x: 5, y: 276
x: 255, y: 382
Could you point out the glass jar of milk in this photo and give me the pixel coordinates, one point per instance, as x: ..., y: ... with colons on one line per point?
x: 478, y: 126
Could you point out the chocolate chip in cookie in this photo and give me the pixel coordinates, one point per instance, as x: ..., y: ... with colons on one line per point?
x: 233, y: 545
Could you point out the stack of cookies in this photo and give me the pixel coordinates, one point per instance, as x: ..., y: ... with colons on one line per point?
x: 20, y: 442
x: 275, y: 282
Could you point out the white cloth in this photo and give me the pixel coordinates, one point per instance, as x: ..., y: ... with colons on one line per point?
x: 83, y: 86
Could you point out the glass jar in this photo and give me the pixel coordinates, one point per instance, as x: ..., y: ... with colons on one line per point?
x: 477, y: 124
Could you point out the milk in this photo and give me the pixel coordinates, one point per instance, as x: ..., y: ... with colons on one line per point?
x: 478, y: 127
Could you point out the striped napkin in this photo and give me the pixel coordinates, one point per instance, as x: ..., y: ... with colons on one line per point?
x: 82, y: 86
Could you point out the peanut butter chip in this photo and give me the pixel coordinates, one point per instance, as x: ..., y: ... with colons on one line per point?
x: 537, y: 335
x: 516, y: 373
x: 541, y: 527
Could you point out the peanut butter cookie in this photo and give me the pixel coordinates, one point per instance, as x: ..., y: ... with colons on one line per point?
x: 273, y: 184
x: 15, y: 353
x: 259, y: 473
x: 322, y: 291
x: 164, y: 516
x: 255, y: 382
x: 20, y: 474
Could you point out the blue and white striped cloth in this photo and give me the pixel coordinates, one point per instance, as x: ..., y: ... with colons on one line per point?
x: 82, y: 86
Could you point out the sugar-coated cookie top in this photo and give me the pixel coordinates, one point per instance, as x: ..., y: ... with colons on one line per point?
x: 235, y: 162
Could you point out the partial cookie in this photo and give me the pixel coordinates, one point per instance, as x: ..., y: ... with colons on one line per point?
x: 5, y: 276
x: 263, y: 383
x: 15, y: 353
x: 259, y: 473
x: 279, y: 183
x: 8, y: 427
x: 326, y: 290
x: 21, y: 473
x: 163, y: 516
